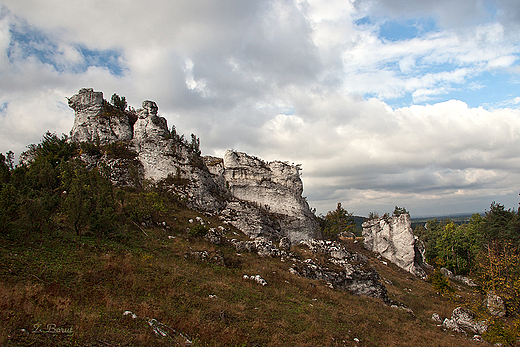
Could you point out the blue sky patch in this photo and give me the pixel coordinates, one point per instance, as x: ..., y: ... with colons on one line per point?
x: 3, y: 107
x: 405, y: 30
x: 29, y: 42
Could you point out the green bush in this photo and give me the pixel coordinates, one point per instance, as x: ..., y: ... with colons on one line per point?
x: 440, y: 283
x: 198, y: 231
x: 498, y: 333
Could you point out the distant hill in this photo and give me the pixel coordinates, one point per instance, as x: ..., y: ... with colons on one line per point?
x: 458, y: 218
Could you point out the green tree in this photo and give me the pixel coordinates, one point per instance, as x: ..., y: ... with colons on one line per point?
x: 195, y: 144
x: 119, y: 102
x: 501, y: 224
x: 337, y: 221
x: 499, y: 271
x: 78, y: 194
x: 399, y: 211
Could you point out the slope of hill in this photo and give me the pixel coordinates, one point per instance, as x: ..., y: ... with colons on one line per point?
x: 61, y: 289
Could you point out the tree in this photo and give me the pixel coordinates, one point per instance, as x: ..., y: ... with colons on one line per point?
x: 399, y: 211
x: 195, y: 144
x: 119, y: 102
x: 501, y: 224
x: 499, y: 271
x: 338, y: 221
x: 78, y: 193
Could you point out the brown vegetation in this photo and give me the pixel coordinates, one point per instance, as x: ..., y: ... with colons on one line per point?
x: 77, y: 289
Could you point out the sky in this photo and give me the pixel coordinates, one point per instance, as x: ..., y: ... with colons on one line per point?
x: 411, y: 103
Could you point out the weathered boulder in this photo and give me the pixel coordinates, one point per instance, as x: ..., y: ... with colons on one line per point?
x: 495, y: 305
x: 462, y: 321
x: 94, y: 122
x: 392, y: 238
x: 462, y: 279
x: 436, y: 318
x: 260, y: 245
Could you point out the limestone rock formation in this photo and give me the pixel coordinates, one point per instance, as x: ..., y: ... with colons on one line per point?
x: 466, y: 280
x: 94, y: 123
x: 393, y: 239
x: 275, y: 188
x: 259, y: 198
x: 352, y: 277
x: 495, y: 305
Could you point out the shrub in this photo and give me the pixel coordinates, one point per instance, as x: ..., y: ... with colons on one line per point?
x: 440, y: 283
x: 198, y: 231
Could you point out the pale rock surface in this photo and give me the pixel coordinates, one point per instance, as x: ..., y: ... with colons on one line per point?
x: 436, y: 318
x: 90, y: 122
x: 259, y: 198
x: 466, y: 280
x: 275, y: 188
x: 495, y: 305
x: 393, y: 239
x: 465, y: 319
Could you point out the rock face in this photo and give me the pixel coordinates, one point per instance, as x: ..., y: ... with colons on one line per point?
x: 259, y: 198
x: 275, y: 187
x: 393, y: 239
x: 93, y: 124
x: 495, y: 305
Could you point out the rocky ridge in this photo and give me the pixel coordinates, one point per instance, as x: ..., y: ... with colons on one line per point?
x: 260, y: 198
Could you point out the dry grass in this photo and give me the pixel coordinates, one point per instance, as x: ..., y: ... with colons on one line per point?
x: 82, y: 287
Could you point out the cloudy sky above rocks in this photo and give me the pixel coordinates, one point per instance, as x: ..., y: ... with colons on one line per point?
x: 413, y: 103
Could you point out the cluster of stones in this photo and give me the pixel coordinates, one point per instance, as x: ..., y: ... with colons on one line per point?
x: 352, y: 277
x: 346, y: 270
x: 462, y: 320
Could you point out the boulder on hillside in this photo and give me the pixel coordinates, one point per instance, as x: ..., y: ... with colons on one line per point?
x: 463, y: 320
x: 393, y: 239
x: 495, y: 305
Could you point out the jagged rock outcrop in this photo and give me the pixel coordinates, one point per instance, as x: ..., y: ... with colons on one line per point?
x: 342, y: 270
x: 351, y: 275
x: 94, y: 123
x: 393, y: 239
x: 275, y: 188
x: 495, y: 304
x: 259, y: 198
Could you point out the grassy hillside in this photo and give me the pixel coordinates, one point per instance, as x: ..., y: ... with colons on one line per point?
x: 64, y: 290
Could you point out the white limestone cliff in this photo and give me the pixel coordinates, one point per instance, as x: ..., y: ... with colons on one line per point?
x: 393, y: 239
x: 259, y: 198
x: 275, y: 187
